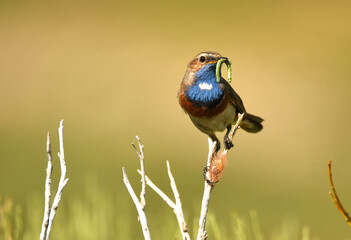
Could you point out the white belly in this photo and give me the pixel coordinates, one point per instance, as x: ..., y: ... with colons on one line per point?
x: 218, y: 123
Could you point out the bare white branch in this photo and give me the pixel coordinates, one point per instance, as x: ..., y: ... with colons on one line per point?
x: 140, y: 154
x: 178, y: 211
x: 47, y: 190
x: 159, y: 192
x: 202, y: 235
x: 62, y: 183
x: 177, y: 206
x: 138, y: 205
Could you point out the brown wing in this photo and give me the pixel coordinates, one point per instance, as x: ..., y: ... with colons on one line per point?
x: 234, y: 97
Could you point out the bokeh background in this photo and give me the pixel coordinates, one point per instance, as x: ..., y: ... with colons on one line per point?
x: 112, y: 70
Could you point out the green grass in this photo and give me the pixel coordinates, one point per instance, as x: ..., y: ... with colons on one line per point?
x: 99, y: 215
x: 11, y: 222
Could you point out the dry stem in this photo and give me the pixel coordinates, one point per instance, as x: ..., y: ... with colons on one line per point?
x: 49, y: 213
x: 62, y: 183
x: 235, y: 127
x: 47, y: 190
x: 202, y: 235
x: 140, y: 154
x: 335, y: 197
x: 140, y: 205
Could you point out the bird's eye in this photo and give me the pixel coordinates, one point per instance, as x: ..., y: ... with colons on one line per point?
x: 202, y: 59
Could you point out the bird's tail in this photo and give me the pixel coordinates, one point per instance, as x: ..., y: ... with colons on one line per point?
x: 251, y: 123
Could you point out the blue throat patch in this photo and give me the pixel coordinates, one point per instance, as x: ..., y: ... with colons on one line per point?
x: 205, y: 92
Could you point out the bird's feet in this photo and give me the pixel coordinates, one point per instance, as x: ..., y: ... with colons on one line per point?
x: 212, y: 183
x: 228, y: 144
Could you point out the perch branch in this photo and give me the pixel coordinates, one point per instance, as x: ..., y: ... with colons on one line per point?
x: 176, y: 207
x: 202, y: 235
x: 140, y: 205
x: 47, y: 190
x: 62, y: 183
x: 335, y: 197
x: 235, y: 127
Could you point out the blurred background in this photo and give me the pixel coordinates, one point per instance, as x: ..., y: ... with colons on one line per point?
x: 112, y: 69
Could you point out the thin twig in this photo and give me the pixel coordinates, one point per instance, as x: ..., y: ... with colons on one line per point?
x: 140, y: 154
x: 235, y: 127
x: 179, y: 210
x: 202, y: 235
x: 62, y: 183
x: 159, y: 192
x: 139, y: 207
x: 47, y: 190
x: 335, y: 197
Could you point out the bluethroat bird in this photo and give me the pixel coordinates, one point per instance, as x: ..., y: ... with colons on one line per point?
x: 213, y: 106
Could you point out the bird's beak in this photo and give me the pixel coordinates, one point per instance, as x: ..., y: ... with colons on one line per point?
x: 215, y: 61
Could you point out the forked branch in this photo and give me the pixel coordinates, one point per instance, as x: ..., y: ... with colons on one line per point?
x: 49, y: 213
x: 140, y: 205
x: 216, y: 163
x: 177, y: 206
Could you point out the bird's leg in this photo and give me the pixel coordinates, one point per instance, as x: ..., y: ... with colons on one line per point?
x: 215, y: 139
x: 228, y: 144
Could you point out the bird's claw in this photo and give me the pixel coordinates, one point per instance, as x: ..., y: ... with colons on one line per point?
x: 228, y: 144
x: 212, y: 183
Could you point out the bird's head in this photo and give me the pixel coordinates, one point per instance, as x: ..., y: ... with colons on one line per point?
x: 203, y: 59
x: 203, y: 65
